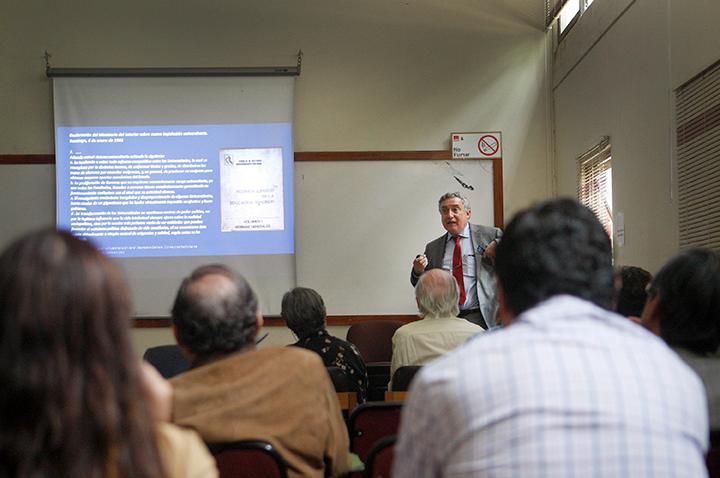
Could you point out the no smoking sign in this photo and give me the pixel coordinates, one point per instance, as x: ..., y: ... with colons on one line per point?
x: 476, y: 145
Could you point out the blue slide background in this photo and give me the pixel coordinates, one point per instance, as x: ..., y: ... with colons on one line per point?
x: 210, y: 241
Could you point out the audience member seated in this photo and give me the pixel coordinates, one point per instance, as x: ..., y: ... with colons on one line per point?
x: 630, y: 288
x: 233, y: 391
x: 75, y: 400
x: 304, y: 312
x: 439, y: 331
x: 566, y: 388
x: 683, y: 307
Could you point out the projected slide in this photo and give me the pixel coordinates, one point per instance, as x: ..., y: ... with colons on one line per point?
x: 171, y: 190
x: 251, y: 189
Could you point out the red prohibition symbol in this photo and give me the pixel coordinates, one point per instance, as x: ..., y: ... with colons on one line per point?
x: 488, y: 145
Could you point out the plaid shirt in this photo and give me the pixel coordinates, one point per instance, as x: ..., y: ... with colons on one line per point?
x: 569, y: 390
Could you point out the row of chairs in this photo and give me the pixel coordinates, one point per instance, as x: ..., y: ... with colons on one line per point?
x: 373, y: 339
x: 372, y: 428
x: 258, y: 459
x: 248, y: 458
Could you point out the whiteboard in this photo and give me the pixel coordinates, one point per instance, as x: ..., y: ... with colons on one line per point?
x: 359, y: 224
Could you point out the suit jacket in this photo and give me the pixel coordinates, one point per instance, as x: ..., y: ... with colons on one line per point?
x: 480, y: 237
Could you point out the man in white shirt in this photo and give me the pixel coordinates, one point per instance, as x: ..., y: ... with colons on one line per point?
x: 440, y: 330
x: 566, y: 388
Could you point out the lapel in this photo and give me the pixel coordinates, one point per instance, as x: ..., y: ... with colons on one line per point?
x: 436, y: 251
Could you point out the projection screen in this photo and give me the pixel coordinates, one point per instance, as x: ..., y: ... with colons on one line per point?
x: 165, y: 174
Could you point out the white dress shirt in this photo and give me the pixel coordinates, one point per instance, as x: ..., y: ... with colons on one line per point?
x: 468, y: 265
x: 569, y: 390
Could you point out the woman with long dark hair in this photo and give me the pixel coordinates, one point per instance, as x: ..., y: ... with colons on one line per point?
x: 72, y: 395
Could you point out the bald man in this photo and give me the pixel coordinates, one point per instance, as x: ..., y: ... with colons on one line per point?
x: 235, y: 391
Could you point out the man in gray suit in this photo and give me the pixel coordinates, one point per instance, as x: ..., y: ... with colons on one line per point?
x: 468, y: 252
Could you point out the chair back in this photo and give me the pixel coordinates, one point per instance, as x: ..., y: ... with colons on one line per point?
x: 380, y: 458
x: 340, y: 380
x: 403, y: 376
x: 370, y: 422
x: 347, y: 396
x: 374, y: 339
x: 167, y: 359
x: 248, y: 459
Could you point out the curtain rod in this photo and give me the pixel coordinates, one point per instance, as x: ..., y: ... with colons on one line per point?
x: 173, y: 72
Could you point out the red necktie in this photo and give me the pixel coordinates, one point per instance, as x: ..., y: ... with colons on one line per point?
x: 457, y: 269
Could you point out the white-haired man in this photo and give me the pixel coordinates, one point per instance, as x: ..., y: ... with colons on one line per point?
x: 440, y: 330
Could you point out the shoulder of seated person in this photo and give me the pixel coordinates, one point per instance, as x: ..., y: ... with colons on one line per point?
x: 298, y: 354
x: 176, y: 436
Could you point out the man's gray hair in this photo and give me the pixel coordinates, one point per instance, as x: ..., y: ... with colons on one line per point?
x: 465, y: 201
x: 437, y: 294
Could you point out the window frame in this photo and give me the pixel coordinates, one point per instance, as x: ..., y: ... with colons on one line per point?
x: 582, y: 8
x: 591, y: 165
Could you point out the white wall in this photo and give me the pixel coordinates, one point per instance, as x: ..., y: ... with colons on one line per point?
x: 623, y: 88
x: 372, y: 78
x: 376, y: 75
x: 695, y: 39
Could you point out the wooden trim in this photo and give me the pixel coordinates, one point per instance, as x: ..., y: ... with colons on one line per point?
x: 27, y: 159
x: 357, y: 319
x: 151, y: 323
x: 347, y: 400
x: 391, y: 396
x: 276, y: 321
x: 438, y: 155
x: 498, y: 205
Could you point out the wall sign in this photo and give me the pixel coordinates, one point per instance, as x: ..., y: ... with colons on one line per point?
x: 476, y: 145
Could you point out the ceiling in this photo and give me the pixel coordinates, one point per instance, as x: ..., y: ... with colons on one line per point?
x: 468, y: 15
x: 527, y: 12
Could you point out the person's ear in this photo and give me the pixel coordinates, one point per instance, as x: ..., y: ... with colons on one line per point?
x: 650, y: 317
x: 189, y: 356
x: 259, y: 321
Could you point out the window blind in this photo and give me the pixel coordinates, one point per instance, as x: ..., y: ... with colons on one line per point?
x: 595, y: 182
x: 698, y: 160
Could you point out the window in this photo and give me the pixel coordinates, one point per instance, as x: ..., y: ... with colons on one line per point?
x: 698, y: 160
x: 568, y: 13
x: 562, y: 14
x: 595, y: 183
